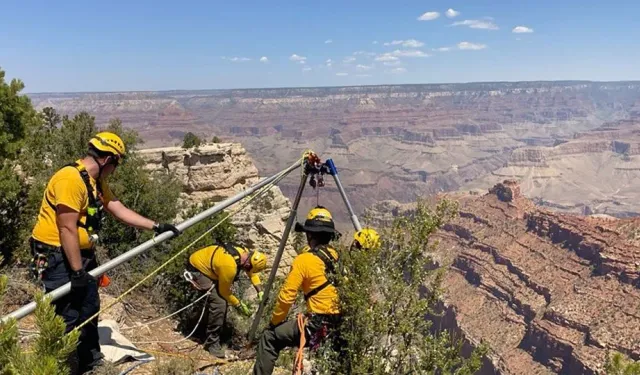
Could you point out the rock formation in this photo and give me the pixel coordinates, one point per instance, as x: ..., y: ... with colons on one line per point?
x: 549, y: 293
x: 427, y: 138
x: 215, y: 172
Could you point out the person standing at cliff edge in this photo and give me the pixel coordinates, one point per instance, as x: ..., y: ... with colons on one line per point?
x: 63, y: 239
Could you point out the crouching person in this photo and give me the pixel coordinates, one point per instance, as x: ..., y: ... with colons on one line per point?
x: 219, y: 266
x: 313, y: 272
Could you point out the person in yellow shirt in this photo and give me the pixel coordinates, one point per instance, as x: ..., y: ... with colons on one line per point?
x: 216, y: 268
x: 312, y: 271
x: 63, y: 239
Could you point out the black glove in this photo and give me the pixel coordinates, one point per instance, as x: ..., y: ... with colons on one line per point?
x: 161, y: 228
x: 80, y: 280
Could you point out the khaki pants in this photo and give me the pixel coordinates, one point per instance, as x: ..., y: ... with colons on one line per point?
x: 216, y: 313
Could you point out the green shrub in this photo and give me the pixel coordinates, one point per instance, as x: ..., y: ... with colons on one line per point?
x: 386, y: 295
x: 191, y: 140
x: 619, y: 364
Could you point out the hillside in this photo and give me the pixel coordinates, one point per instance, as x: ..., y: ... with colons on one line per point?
x: 549, y: 293
x: 391, y: 142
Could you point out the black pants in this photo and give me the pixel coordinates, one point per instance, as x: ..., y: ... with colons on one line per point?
x: 287, y: 335
x: 75, y: 307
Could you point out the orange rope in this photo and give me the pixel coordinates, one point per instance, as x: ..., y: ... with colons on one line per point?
x: 298, y: 366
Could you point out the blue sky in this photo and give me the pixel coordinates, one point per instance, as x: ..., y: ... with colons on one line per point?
x: 161, y: 45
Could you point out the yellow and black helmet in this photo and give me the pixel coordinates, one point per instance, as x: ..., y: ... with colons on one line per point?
x: 319, y: 219
x: 367, y: 238
x: 109, y: 142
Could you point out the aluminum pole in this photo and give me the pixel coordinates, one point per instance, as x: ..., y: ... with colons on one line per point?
x: 276, y: 261
x: 334, y: 173
x: 66, y: 288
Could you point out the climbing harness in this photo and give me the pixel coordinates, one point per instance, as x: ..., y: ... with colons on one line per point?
x: 330, y: 270
x: 95, y: 208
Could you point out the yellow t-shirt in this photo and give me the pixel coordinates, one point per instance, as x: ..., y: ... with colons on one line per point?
x: 66, y: 187
x: 307, y: 272
x: 224, y: 270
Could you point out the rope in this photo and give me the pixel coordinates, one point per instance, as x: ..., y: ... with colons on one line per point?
x: 170, y: 315
x: 255, y: 195
x: 298, y: 364
x: 204, y: 308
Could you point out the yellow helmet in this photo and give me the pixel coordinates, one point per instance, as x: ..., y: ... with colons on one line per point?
x: 109, y: 142
x: 367, y: 238
x: 258, y: 261
x: 319, y: 219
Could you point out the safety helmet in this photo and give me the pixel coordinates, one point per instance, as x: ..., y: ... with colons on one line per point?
x: 258, y: 261
x: 109, y: 142
x: 367, y: 238
x: 319, y: 219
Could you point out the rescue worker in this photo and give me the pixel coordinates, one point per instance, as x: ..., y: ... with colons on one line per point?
x: 220, y: 266
x: 63, y: 239
x: 312, y: 271
x: 366, y: 239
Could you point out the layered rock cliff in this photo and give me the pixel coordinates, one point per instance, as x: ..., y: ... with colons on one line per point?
x: 549, y: 293
x: 215, y: 172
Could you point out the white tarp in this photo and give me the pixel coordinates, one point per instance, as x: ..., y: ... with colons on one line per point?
x: 117, y: 348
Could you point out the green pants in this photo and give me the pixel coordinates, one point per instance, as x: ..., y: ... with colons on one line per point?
x: 216, y: 313
x: 287, y: 335
x: 272, y: 342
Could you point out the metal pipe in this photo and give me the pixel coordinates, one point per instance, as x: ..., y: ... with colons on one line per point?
x: 334, y: 173
x: 66, y: 288
x: 276, y: 260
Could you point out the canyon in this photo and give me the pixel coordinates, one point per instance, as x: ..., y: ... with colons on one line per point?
x: 403, y: 141
x: 548, y: 292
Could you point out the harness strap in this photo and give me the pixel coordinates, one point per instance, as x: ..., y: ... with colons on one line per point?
x: 231, y: 250
x: 94, y: 203
x: 329, y: 267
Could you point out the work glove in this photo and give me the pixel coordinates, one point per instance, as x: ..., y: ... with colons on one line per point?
x: 243, y: 309
x: 80, y: 280
x: 260, y: 295
x: 161, y: 228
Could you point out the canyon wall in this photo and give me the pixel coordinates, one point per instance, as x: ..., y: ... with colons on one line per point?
x: 550, y: 293
x: 214, y: 172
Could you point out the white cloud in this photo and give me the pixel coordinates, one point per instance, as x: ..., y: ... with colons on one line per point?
x: 264, y: 59
x: 364, y: 53
x: 342, y: 74
x: 392, y: 63
x: 521, y: 30
x: 409, y: 43
x: 375, y: 42
x: 303, y: 62
x: 364, y: 67
x: 443, y: 49
x: 452, y: 13
x: 471, y: 46
x: 329, y: 63
x: 386, y: 57
x: 349, y: 60
x: 306, y: 69
x: 429, y: 16
x: 409, y: 53
x: 477, y: 24
x: 295, y: 57
x: 363, y: 75
x: 240, y: 59
x: 398, y: 70
x: 328, y: 41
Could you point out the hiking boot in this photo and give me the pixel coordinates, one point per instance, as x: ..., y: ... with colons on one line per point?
x: 216, y: 350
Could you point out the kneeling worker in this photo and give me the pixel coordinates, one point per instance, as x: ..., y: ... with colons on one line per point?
x: 312, y: 271
x: 220, y: 265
